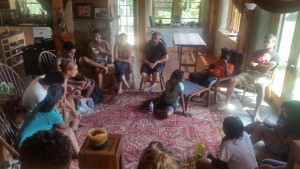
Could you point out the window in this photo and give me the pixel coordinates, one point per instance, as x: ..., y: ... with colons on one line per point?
x: 179, y: 12
x: 126, y: 22
x: 163, y: 11
x: 234, y: 17
x: 191, y: 11
x: 33, y: 7
x: 286, y: 33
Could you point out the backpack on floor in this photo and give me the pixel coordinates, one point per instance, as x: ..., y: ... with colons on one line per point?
x: 97, y: 95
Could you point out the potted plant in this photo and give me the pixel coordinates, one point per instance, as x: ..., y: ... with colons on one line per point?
x: 5, y: 90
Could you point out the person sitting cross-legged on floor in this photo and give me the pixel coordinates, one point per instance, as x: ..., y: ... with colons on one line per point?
x: 258, y: 72
x: 236, y: 151
x: 222, y: 68
x: 155, y: 156
x: 47, y: 149
x: 155, y: 54
x: 122, y: 58
x: 168, y: 101
x: 277, y: 137
x: 46, y: 116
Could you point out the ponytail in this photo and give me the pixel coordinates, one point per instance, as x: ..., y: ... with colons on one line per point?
x: 53, y: 96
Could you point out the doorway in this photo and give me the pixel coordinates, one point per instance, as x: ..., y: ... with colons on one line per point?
x: 286, y: 82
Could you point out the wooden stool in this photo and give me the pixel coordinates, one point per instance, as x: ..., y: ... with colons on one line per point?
x: 108, y: 158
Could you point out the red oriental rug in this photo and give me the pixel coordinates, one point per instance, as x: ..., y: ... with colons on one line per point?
x: 122, y: 114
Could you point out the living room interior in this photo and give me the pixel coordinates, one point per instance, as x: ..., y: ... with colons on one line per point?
x: 33, y: 26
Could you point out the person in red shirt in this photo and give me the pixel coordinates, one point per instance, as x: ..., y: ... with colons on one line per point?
x: 222, y: 68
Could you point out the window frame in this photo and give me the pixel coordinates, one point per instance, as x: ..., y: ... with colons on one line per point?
x: 176, y: 11
x: 156, y: 20
x: 234, y: 18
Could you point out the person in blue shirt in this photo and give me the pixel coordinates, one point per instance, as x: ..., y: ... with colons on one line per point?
x: 45, y: 116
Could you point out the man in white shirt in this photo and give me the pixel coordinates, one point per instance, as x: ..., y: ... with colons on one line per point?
x: 37, y: 89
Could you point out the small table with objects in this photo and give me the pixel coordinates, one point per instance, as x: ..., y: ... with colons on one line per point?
x: 108, y: 158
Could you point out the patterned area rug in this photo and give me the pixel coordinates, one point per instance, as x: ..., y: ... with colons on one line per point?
x: 122, y: 114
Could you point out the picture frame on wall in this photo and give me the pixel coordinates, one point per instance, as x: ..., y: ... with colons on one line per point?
x: 101, y: 13
x: 83, y: 10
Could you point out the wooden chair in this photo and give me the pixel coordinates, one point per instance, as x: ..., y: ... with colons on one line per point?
x: 237, y: 59
x: 7, y: 75
x: 46, y: 60
x: 8, y: 137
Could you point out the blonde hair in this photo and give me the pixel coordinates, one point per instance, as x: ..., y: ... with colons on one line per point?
x: 155, y: 158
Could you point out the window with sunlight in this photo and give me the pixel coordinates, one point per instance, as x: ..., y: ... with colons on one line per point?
x: 191, y: 11
x: 33, y: 7
x: 234, y: 17
x: 284, y: 46
x: 126, y: 22
x: 183, y: 12
x: 163, y: 11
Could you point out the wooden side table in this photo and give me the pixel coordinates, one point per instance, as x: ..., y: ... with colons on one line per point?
x: 108, y: 158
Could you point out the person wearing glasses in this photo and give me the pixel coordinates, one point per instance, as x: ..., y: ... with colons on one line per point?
x: 258, y: 69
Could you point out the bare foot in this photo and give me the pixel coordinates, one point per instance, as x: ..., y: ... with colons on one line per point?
x: 256, y: 118
x: 120, y: 91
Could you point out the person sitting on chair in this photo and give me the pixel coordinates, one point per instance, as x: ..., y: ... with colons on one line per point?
x: 169, y: 99
x: 155, y: 54
x: 256, y: 72
x: 122, y: 58
x: 277, y: 137
x: 236, y: 150
x: 98, y: 56
x: 46, y: 149
x: 222, y: 68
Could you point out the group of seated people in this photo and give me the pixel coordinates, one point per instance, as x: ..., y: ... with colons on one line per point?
x: 58, y: 91
x: 236, y: 148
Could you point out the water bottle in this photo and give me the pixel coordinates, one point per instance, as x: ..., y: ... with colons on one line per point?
x: 151, y: 107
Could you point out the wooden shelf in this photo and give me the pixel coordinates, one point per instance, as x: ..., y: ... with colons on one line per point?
x: 11, y: 48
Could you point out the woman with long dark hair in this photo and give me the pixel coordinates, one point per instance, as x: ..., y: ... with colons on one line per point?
x: 236, y: 150
x: 45, y: 116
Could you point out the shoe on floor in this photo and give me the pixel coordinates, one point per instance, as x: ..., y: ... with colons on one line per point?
x: 149, y: 89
